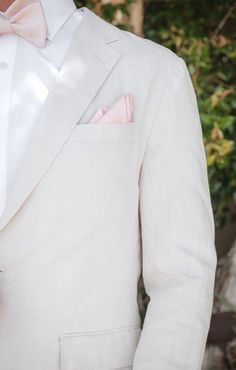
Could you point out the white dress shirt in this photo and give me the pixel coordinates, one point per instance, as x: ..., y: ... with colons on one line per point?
x: 27, y: 75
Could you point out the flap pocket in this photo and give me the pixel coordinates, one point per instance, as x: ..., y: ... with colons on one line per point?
x: 103, y: 350
x: 103, y: 132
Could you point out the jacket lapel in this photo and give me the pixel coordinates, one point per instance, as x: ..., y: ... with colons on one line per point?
x: 89, y: 61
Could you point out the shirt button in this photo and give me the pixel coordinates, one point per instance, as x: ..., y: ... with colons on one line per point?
x: 3, y: 65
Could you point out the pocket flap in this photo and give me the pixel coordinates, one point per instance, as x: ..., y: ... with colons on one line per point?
x: 103, y: 350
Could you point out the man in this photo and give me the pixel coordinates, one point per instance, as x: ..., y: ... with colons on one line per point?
x: 104, y: 177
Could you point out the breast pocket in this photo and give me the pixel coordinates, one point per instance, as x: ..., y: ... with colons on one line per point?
x: 103, y: 133
x: 101, y: 163
x: 100, y: 350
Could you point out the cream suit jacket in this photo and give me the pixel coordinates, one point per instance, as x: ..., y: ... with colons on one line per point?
x: 94, y: 205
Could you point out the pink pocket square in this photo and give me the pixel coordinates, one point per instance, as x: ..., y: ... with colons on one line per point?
x: 121, y: 111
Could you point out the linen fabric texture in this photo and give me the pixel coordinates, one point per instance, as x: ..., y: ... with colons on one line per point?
x: 94, y: 205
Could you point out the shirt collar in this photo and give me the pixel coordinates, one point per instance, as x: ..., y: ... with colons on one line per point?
x: 56, y: 13
x: 55, y: 51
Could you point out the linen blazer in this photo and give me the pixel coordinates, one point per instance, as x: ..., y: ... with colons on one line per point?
x: 96, y: 205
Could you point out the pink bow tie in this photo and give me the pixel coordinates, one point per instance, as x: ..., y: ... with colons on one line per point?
x: 26, y: 19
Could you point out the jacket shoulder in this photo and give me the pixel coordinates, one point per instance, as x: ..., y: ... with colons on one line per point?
x: 138, y: 52
x: 146, y: 51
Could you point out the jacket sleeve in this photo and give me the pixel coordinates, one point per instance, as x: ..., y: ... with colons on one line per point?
x: 177, y: 228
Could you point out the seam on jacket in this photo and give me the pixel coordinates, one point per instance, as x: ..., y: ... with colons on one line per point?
x: 159, y: 107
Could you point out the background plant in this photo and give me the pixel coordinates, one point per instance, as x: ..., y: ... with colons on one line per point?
x: 203, y: 33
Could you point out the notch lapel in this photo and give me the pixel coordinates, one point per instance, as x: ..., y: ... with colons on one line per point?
x: 89, y: 61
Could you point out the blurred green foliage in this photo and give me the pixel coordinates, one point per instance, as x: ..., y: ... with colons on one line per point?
x: 203, y: 33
